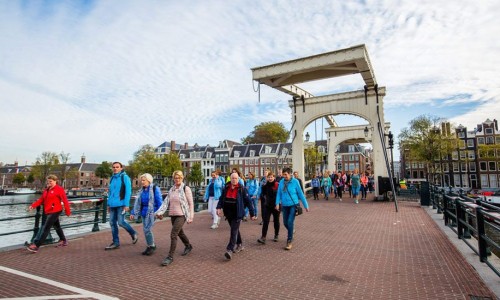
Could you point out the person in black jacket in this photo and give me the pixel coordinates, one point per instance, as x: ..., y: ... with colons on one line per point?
x: 269, y: 191
x: 232, y: 204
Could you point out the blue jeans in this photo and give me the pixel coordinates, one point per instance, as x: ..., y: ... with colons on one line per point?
x: 147, y: 225
x: 117, y: 218
x: 288, y: 220
x: 255, y: 202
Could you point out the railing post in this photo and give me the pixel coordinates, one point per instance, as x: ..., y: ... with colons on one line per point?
x: 445, y: 209
x: 36, y: 228
x: 459, y: 212
x: 95, y: 228
x: 433, y: 196
x: 439, y: 197
x: 104, y: 208
x: 482, y: 245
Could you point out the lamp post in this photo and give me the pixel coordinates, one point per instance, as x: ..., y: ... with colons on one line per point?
x: 366, y: 131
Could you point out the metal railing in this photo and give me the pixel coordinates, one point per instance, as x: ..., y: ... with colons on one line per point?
x: 470, y: 217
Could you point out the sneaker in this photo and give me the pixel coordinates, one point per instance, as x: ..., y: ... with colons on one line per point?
x: 214, y: 226
x: 275, y: 238
x: 239, y: 248
x: 288, y: 245
x: 167, y: 261
x: 262, y: 240
x: 228, y: 255
x: 261, y: 223
x: 356, y: 201
x: 149, y: 250
x: 32, y: 248
x: 135, y: 238
x: 340, y: 199
x: 62, y: 244
x: 187, y: 250
x: 112, y: 246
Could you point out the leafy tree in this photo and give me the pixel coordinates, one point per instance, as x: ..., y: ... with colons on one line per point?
x: 312, y: 159
x: 45, y: 164
x: 145, y: 161
x: 171, y: 163
x: 267, y: 132
x: 196, y: 175
x: 30, y: 178
x: 104, y: 170
x: 426, y: 143
x: 18, y: 178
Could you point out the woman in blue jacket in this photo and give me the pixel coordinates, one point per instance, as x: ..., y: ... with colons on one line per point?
x: 252, y: 186
x: 212, y: 195
x: 289, y: 194
x: 148, y: 201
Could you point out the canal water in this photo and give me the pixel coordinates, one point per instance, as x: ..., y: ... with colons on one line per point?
x: 17, y: 209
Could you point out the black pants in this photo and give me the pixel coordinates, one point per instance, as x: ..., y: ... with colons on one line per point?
x: 52, y: 220
x: 177, y: 223
x: 315, y: 192
x: 235, y: 236
x: 266, y: 217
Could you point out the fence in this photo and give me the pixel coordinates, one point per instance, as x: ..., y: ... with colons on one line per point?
x: 470, y: 218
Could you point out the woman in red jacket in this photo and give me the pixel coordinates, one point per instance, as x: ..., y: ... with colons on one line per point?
x: 51, y: 200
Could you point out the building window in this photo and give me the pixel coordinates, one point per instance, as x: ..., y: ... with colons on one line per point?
x: 236, y: 153
x: 480, y: 141
x: 465, y: 182
x: 252, y: 153
x: 493, y: 181
x: 446, y: 167
x: 268, y: 149
x: 456, y: 179
x: 462, y: 154
x: 484, y: 180
x: 461, y: 134
x: 421, y: 165
x: 497, y: 139
x: 461, y: 144
x: 463, y: 167
x: 471, y: 154
x: 217, y: 158
x: 209, y: 154
x: 472, y: 166
x: 489, y: 140
x: 455, y: 167
x: 488, y: 130
x: 351, y: 148
x: 454, y: 155
x: 470, y: 143
x: 492, y: 166
x: 284, y: 151
x: 482, y: 166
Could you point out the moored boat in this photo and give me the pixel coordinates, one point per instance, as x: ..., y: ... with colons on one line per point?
x: 21, y: 191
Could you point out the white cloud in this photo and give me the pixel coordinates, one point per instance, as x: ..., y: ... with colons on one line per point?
x: 107, y: 77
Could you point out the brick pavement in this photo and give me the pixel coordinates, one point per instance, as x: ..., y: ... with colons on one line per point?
x: 341, y: 251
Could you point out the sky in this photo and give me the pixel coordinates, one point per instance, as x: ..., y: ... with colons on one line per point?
x: 103, y: 78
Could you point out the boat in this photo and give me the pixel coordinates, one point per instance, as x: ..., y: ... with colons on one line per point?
x: 21, y: 191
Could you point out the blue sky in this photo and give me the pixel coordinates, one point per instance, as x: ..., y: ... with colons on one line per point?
x: 103, y: 78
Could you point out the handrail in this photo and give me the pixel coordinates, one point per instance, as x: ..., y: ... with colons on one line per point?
x: 470, y: 217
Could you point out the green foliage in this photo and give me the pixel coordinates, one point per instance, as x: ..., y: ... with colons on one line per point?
x: 489, y: 151
x: 312, y: 158
x: 18, y: 178
x: 45, y: 164
x: 104, y: 170
x: 171, y: 163
x: 63, y: 167
x: 267, y: 132
x: 30, y: 178
x: 145, y: 161
x: 195, y: 175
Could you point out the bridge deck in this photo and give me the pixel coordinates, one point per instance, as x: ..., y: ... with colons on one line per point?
x: 341, y: 251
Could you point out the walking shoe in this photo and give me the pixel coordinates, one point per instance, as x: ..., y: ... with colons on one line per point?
x: 167, y: 261
x: 357, y: 201
x: 112, y: 246
x: 214, y: 226
x: 228, y: 255
x: 275, y: 238
x: 261, y: 222
x: 340, y: 199
x: 149, y: 250
x: 135, y: 238
x: 288, y: 245
x: 32, y: 248
x: 239, y: 248
x: 62, y: 244
x: 187, y: 250
x: 262, y: 240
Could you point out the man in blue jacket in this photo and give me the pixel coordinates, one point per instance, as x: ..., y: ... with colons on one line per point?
x: 120, y: 190
x: 289, y: 193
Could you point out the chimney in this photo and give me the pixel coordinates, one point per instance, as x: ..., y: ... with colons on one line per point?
x: 172, y: 145
x: 185, y: 146
x: 83, y: 159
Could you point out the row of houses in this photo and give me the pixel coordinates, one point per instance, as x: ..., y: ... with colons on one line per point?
x: 255, y: 158
x: 474, y: 164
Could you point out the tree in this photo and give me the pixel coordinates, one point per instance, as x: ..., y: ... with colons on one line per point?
x: 426, y: 143
x: 312, y: 158
x: 104, y: 170
x: 171, y: 163
x: 196, y: 175
x: 18, y: 178
x: 145, y: 161
x: 267, y: 132
x: 64, y: 168
x: 30, y: 178
x: 45, y: 164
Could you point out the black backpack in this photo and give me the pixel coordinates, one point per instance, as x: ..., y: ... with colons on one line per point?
x: 122, y: 188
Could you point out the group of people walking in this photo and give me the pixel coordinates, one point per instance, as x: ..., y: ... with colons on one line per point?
x: 233, y: 200
x: 336, y: 183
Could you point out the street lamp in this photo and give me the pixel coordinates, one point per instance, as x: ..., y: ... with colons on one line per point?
x: 366, y: 131
x: 307, y: 136
x: 391, y: 146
